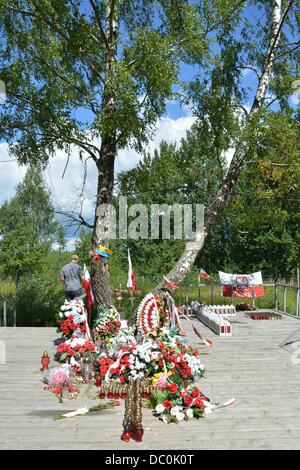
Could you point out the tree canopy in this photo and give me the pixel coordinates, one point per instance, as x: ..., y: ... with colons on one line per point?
x: 98, y: 74
x: 28, y: 228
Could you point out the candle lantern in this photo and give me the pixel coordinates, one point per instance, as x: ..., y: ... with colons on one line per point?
x: 101, y: 346
x: 87, y: 369
x: 98, y: 380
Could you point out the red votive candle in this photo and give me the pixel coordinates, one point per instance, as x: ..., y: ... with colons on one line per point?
x: 98, y: 380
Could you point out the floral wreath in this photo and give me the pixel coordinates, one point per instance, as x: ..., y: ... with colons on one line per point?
x: 151, y: 314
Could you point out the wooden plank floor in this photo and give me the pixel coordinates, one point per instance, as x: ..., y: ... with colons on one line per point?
x: 249, y: 366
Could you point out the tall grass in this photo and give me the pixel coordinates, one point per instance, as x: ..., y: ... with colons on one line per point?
x: 40, y: 295
x: 7, y: 288
x: 213, y: 295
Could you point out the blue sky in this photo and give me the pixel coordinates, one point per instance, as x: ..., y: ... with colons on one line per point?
x: 187, y: 72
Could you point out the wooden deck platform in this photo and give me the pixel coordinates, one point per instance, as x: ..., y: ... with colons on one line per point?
x: 249, y: 366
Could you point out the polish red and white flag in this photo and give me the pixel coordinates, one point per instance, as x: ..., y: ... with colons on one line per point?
x: 204, y: 274
x: 131, y: 277
x: 87, y: 284
x: 242, y: 285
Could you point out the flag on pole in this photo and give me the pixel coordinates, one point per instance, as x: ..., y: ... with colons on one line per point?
x: 87, y: 284
x: 131, y: 278
x: 203, y: 274
x: 242, y: 285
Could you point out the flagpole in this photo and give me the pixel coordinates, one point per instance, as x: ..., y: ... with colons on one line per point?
x: 131, y: 300
x: 131, y: 280
x: 253, y: 300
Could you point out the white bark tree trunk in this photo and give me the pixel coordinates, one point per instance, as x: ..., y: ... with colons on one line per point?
x: 184, y: 264
x: 106, y: 163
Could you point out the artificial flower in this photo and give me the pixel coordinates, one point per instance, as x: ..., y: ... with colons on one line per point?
x: 159, y: 408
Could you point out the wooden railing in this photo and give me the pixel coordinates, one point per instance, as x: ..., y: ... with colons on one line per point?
x: 279, y: 303
x: 285, y: 288
x: 6, y: 307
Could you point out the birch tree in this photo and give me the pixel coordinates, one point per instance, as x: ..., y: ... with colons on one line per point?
x: 279, y: 16
x: 96, y: 74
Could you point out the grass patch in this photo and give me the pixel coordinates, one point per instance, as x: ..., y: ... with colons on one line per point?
x: 213, y: 296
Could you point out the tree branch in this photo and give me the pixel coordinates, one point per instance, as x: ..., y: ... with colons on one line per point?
x: 91, y: 107
x: 240, y: 106
x: 288, y: 52
x: 268, y: 105
x: 265, y: 76
x: 248, y: 67
x: 75, y: 218
x: 56, y: 29
x: 218, y: 23
x: 87, y: 146
x: 99, y: 22
x: 74, y: 140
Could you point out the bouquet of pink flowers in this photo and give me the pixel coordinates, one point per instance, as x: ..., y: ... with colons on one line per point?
x: 60, y: 381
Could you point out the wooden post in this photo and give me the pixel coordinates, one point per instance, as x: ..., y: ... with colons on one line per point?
x: 275, y: 299
x: 284, y: 298
x: 131, y: 301
x: 4, y: 313
x: 198, y: 285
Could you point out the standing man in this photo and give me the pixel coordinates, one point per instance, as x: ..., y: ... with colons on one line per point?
x: 71, y: 276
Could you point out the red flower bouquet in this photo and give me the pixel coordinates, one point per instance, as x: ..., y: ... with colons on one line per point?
x: 107, y: 324
x: 173, y: 404
x: 75, y: 347
x: 71, y: 318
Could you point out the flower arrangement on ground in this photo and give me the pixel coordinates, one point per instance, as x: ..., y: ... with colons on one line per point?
x: 107, y: 324
x: 173, y: 403
x: 167, y: 355
x: 153, y: 357
x: 74, y: 347
x: 71, y: 318
x: 60, y: 382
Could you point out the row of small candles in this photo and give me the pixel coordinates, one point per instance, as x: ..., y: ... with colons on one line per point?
x: 216, y: 322
x: 223, y: 309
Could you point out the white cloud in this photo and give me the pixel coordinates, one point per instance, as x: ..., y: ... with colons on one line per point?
x: 10, y: 174
x: 170, y: 130
x: 70, y: 244
x: 65, y: 191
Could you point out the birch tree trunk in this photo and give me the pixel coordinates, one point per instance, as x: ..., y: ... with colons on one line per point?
x: 105, y: 166
x: 184, y: 264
